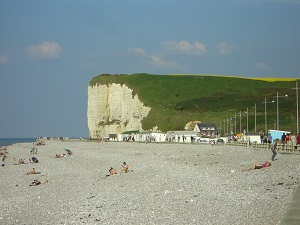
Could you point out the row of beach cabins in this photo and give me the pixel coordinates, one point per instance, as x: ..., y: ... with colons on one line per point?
x: 245, y: 140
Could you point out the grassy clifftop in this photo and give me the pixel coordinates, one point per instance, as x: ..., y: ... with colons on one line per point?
x: 178, y: 99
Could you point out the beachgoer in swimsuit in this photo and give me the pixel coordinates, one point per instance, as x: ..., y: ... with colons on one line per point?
x: 124, y: 168
x: 37, y: 182
x: 259, y: 166
x: 59, y: 155
x: 31, y: 171
x: 112, y: 171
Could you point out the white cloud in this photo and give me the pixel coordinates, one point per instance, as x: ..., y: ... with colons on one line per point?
x: 224, y: 48
x: 137, y: 51
x: 4, y: 59
x: 46, y: 50
x: 184, y: 47
x: 159, y: 62
x: 261, y: 66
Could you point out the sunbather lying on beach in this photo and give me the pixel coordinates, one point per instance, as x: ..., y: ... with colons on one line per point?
x: 259, y: 166
x: 19, y: 162
x: 37, y: 182
x: 112, y: 171
x: 59, y: 155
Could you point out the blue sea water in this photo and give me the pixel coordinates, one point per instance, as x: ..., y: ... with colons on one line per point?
x: 10, y: 141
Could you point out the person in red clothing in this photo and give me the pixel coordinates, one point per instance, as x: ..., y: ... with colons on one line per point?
x: 259, y: 166
x: 287, y: 138
x: 298, y: 139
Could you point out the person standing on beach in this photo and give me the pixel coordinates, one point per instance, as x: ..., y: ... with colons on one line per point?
x: 261, y: 135
x: 298, y: 139
x: 283, y: 137
x: 270, y: 138
x: 274, y: 148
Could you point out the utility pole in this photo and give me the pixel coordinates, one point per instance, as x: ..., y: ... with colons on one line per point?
x: 297, y: 107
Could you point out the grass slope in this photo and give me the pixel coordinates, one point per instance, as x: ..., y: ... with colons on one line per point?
x: 178, y: 99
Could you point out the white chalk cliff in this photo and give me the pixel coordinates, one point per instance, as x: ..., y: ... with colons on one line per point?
x: 113, y: 109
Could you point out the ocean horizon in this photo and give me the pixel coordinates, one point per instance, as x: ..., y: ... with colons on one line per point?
x: 10, y: 141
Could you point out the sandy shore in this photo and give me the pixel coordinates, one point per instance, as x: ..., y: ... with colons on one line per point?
x: 168, y: 184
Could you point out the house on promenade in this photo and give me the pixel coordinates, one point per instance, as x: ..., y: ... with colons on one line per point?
x: 206, y: 129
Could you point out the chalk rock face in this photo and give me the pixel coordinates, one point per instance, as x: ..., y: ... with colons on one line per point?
x: 113, y: 109
x: 191, y: 125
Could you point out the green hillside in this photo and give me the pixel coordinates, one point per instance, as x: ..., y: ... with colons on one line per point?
x: 178, y: 99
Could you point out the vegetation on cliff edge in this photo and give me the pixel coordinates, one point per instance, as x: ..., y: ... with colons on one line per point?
x: 178, y: 99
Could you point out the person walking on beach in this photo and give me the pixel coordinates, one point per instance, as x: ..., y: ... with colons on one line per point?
x: 274, y: 148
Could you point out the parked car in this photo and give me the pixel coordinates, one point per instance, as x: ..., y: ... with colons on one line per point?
x: 220, y: 141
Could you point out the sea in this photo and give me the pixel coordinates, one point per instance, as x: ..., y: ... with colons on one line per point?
x: 10, y: 141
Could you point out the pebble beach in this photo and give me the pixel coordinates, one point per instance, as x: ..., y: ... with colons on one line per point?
x: 167, y: 183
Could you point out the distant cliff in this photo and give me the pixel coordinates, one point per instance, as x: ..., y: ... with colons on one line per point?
x: 137, y: 102
x: 114, y: 109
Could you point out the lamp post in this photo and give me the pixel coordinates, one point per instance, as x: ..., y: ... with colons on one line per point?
x: 227, y: 127
x: 240, y: 121
x: 266, y: 122
x: 230, y: 130
x: 297, y: 107
x: 235, y: 124
x: 254, y: 117
x: 247, y: 112
x: 224, y: 127
x: 277, y: 97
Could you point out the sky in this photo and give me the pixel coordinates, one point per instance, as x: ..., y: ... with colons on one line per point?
x: 50, y: 50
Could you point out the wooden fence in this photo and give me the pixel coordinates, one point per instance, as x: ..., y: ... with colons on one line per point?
x: 288, y: 148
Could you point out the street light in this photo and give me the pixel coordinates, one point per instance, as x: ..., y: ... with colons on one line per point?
x: 247, y: 112
x: 240, y: 121
x: 230, y: 125
x: 254, y: 117
x: 284, y: 96
x: 266, y: 122
x: 297, y: 107
x: 227, y: 127
x: 235, y: 124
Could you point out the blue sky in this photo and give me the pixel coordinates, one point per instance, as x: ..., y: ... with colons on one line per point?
x: 50, y: 50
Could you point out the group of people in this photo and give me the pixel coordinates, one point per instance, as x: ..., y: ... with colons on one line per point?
x: 33, y: 151
x: 124, y: 169
x: 265, y: 139
x: 23, y: 161
x: 32, y: 160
